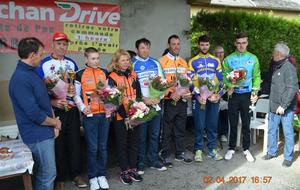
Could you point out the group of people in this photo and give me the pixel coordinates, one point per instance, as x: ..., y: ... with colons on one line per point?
x: 53, y: 133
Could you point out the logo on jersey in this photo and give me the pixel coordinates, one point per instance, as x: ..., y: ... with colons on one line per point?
x: 206, y: 75
x: 52, y: 68
x: 249, y: 62
x: 210, y: 65
x: 200, y: 66
x: 89, y: 80
x: 68, y: 67
x: 170, y: 70
x: 142, y: 68
x: 181, y: 69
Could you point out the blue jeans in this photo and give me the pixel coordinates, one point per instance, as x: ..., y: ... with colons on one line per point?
x: 207, y: 120
x: 44, y: 160
x: 288, y: 130
x: 149, y: 131
x: 96, y: 131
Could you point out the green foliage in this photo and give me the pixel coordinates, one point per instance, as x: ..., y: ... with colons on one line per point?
x: 264, y: 31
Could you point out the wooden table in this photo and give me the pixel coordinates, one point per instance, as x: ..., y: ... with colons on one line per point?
x: 26, y: 179
x: 20, y: 164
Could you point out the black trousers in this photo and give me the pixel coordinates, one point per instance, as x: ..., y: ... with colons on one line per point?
x: 67, y: 145
x: 223, y: 123
x: 239, y: 104
x: 126, y: 144
x: 174, y: 121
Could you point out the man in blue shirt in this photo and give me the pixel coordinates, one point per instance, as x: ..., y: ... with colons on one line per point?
x: 145, y: 66
x: 34, y: 115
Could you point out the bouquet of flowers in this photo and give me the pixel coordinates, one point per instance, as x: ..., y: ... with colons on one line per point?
x: 158, y: 86
x: 139, y: 113
x: 111, y: 97
x: 236, y: 77
x: 183, y: 84
x: 56, y: 86
x: 207, y: 87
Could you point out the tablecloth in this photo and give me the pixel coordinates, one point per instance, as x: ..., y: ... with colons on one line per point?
x: 20, y: 162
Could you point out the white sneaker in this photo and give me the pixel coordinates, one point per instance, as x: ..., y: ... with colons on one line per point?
x: 159, y: 167
x: 94, y: 184
x: 198, y: 156
x: 141, y: 172
x: 103, y: 182
x: 229, y: 154
x: 223, y: 138
x: 249, y: 156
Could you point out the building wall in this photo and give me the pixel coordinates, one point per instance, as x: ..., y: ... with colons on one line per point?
x: 153, y: 19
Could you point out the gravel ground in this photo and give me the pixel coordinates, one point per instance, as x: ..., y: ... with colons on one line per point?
x: 191, y: 176
x: 234, y: 174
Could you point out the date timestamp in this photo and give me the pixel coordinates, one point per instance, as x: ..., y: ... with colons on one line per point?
x: 237, y: 179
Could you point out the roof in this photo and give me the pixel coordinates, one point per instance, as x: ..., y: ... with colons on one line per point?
x: 289, y: 5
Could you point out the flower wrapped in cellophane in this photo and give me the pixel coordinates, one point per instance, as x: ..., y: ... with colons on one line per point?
x: 207, y: 87
x: 158, y: 86
x: 183, y: 82
x: 110, y: 96
x: 139, y: 113
x: 236, y: 76
x: 56, y: 87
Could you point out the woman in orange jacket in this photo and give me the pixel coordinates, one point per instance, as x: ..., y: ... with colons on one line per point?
x: 123, y: 76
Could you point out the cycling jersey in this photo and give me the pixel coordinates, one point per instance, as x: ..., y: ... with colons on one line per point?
x: 86, y: 81
x: 171, y: 65
x: 129, y: 80
x: 250, y: 64
x: 205, y: 65
x: 50, y: 65
x: 144, y: 69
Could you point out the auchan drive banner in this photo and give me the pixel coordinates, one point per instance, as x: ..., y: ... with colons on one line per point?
x: 86, y: 24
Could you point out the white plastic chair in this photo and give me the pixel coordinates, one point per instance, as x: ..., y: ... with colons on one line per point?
x: 262, y: 106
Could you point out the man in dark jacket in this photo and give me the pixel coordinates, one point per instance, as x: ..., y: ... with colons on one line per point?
x: 284, y: 86
x: 34, y: 115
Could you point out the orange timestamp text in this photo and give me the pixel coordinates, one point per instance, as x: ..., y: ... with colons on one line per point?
x: 237, y: 179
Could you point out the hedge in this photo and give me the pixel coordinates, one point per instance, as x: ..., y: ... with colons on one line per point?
x: 264, y: 31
